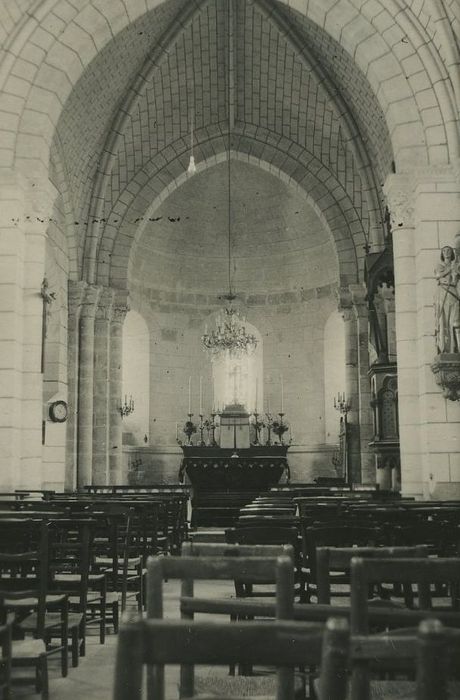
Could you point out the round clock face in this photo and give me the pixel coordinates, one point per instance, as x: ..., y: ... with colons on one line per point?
x: 58, y: 411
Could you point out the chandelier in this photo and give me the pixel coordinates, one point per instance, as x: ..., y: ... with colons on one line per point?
x: 230, y: 334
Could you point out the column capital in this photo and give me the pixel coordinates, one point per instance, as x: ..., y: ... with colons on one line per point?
x: 343, y: 297
x: 401, y: 189
x: 120, y: 305
x: 352, y: 300
x: 90, y: 301
x: 75, y: 294
x: 400, y: 193
x: 358, y: 293
x: 105, y: 304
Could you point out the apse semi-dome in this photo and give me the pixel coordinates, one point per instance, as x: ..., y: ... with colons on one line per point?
x: 278, y: 242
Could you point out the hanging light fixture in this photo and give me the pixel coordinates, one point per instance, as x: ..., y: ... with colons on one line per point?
x: 229, y: 334
x: 191, y: 170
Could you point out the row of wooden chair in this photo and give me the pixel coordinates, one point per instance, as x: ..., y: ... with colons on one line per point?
x: 243, y: 642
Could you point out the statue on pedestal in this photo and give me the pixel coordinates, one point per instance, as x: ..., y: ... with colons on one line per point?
x: 447, y: 302
x: 446, y: 366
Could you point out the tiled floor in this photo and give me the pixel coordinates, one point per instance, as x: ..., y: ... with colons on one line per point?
x: 93, y: 679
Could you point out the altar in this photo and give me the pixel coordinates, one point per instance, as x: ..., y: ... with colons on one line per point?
x: 255, y: 468
x: 233, y: 465
x: 224, y: 479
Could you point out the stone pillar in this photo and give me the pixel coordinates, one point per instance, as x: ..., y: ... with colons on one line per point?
x: 85, y: 388
x: 40, y: 198
x: 400, y: 202
x: 101, y: 387
x: 76, y: 292
x: 366, y: 432
x: 120, y: 309
x: 13, y: 244
x: 351, y: 386
x: 425, y: 209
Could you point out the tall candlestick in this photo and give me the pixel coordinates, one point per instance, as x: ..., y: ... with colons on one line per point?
x: 177, y: 431
x: 201, y: 395
x: 282, y: 393
x: 257, y: 392
x: 190, y: 394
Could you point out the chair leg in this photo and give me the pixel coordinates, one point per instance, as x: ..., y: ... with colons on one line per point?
x: 140, y: 595
x: 64, y: 651
x: 103, y: 621
x: 75, y: 645
x: 82, y: 645
x: 115, y: 616
x: 42, y: 670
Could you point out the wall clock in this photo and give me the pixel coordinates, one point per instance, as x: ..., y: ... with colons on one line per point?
x: 58, y: 411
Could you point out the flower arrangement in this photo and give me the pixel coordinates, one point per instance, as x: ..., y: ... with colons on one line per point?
x: 279, y: 427
x: 190, y: 429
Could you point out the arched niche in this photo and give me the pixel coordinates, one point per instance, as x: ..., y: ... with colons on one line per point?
x: 136, y: 374
x: 238, y: 379
x: 334, y: 372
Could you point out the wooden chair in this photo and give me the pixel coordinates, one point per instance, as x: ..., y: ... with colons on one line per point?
x: 330, y: 560
x: 331, y: 536
x: 69, y: 569
x: 242, y: 587
x: 156, y: 643
x: 191, y: 569
x: 432, y: 649
x: 271, y: 534
x: 24, y: 589
x: 423, y: 572
x: 6, y: 657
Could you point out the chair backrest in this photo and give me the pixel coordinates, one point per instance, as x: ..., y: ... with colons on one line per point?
x: 70, y: 545
x: 330, y: 559
x: 419, y: 571
x: 314, y: 536
x: 210, y: 549
x: 432, y: 649
x: 190, y: 569
x: 159, y: 642
x: 271, y: 534
x: 24, y: 564
x: 438, y: 652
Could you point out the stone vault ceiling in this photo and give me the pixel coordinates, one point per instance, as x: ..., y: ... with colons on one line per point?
x: 186, y: 247
x: 277, y: 91
x: 99, y: 94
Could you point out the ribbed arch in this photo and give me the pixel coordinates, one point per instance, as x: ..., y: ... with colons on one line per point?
x: 155, y: 183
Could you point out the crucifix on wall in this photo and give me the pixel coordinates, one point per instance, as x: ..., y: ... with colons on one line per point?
x: 47, y: 299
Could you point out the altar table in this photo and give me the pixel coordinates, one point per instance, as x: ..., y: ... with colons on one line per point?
x: 225, y: 479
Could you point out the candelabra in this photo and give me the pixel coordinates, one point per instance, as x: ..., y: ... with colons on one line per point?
x: 342, y: 404
x: 201, y: 428
x: 212, y: 425
x: 126, y: 408
x: 280, y: 427
x: 268, y: 425
x: 190, y: 429
x: 258, y: 426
